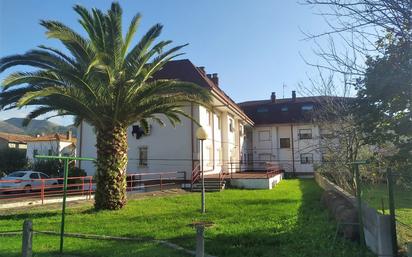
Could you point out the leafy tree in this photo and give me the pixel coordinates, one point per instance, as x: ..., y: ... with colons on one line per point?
x: 385, y: 99
x: 105, y: 82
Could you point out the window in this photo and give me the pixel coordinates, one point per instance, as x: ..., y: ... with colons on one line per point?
x: 209, y: 117
x: 285, y: 143
x: 231, y: 127
x: 307, y: 107
x: 22, y: 146
x: 324, y: 154
x: 17, y: 174
x: 143, y: 156
x: 35, y: 152
x: 264, y: 135
x: 34, y: 176
x: 44, y: 176
x: 265, y: 157
x: 284, y: 108
x: 12, y: 145
x: 219, y: 122
x: 305, y: 133
x: 306, y: 158
x: 263, y: 109
x: 325, y: 134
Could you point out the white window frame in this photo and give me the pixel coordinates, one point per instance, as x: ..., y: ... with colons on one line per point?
x: 143, y: 163
x: 231, y: 125
x: 209, y: 117
x: 305, y: 137
x: 306, y: 158
x: 264, y: 139
x: 280, y: 142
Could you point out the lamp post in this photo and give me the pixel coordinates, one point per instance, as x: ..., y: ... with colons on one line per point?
x: 202, y: 136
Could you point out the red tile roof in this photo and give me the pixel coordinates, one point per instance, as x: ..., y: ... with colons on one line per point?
x: 52, y: 137
x: 286, y: 110
x: 185, y: 70
x: 15, y: 137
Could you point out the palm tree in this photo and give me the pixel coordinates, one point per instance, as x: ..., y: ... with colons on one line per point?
x: 103, y: 81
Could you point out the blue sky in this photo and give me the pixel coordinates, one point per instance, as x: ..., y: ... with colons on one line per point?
x: 254, y: 46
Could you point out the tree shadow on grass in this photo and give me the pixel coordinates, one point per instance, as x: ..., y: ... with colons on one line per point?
x: 47, y: 246
x: 310, y: 235
x: 23, y: 216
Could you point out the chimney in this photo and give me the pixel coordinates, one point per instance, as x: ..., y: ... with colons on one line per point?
x: 202, y: 69
x: 293, y: 95
x: 215, y: 79
x: 69, y: 135
x: 273, y: 97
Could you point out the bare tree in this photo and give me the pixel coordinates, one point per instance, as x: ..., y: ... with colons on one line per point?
x: 341, y: 141
x: 360, y: 28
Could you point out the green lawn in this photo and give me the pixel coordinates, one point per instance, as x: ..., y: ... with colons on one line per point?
x: 377, y: 195
x: 286, y: 221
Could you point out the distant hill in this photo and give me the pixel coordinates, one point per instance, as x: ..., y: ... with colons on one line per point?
x: 9, y: 128
x: 35, y: 127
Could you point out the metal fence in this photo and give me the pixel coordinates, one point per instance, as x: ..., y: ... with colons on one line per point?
x: 387, y: 189
x: 18, y: 190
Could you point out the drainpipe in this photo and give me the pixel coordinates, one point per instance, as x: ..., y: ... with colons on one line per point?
x: 191, y: 133
x: 238, y: 145
x: 80, y: 143
x: 213, y: 138
x: 293, y: 149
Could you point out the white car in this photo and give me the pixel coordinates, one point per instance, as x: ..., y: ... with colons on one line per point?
x: 27, y: 181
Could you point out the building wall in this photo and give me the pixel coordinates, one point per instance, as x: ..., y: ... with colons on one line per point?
x: 5, y: 144
x: 177, y: 149
x: 267, y: 147
x: 49, y: 148
x: 42, y: 147
x: 168, y: 148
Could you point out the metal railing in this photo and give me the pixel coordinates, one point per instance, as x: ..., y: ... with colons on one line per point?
x: 152, y: 181
x: 40, y: 189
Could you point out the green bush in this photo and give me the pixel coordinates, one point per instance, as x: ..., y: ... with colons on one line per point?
x: 53, y: 168
x: 12, y: 159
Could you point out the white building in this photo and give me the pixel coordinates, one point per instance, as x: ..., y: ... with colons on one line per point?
x: 284, y: 132
x: 53, y: 144
x: 241, y: 136
x: 177, y: 149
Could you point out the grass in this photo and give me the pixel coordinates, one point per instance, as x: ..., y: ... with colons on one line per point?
x: 286, y: 221
x: 377, y: 197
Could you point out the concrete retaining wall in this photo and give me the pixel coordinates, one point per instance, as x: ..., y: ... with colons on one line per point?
x: 257, y: 183
x: 376, y: 226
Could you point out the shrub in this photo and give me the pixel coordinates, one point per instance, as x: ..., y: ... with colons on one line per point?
x: 12, y: 159
x: 53, y: 168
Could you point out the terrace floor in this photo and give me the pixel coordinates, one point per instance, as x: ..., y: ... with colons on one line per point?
x: 242, y: 175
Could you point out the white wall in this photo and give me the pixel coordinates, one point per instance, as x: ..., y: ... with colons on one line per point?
x: 169, y: 148
x: 266, y: 145
x: 43, y: 148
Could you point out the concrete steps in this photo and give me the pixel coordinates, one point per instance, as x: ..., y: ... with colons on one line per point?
x: 211, y: 185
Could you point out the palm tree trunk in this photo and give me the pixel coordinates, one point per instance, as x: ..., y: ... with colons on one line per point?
x: 111, y: 168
